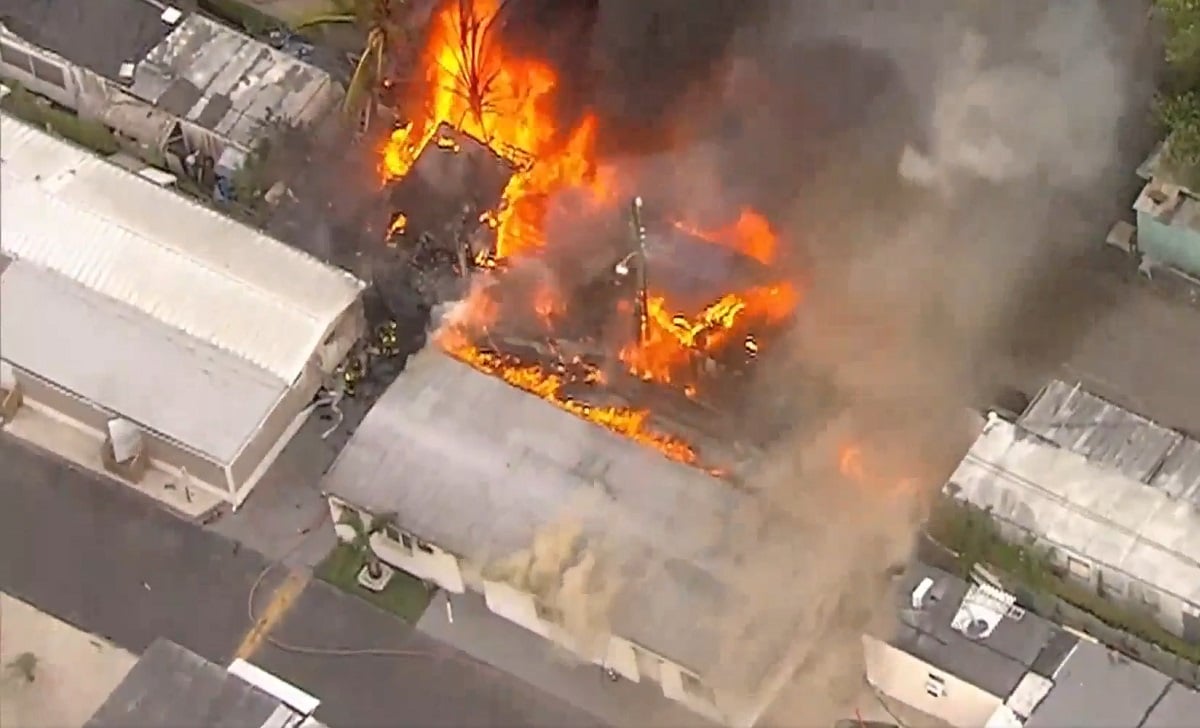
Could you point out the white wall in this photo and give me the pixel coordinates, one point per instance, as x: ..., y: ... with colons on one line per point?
x: 903, y: 677
x: 520, y: 607
x: 422, y: 560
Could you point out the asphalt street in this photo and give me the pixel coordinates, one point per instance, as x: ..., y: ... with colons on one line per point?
x: 372, y: 670
x: 110, y: 562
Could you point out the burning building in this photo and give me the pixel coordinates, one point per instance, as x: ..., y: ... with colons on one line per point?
x: 624, y: 558
x: 487, y: 191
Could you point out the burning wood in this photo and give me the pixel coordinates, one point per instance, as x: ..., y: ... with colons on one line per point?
x: 478, y: 95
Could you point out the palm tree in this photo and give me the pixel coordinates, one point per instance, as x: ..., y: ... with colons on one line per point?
x: 379, y: 19
x: 478, y: 69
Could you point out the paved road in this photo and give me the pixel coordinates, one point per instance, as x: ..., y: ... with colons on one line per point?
x: 1133, y: 341
x: 105, y: 559
x: 431, y: 684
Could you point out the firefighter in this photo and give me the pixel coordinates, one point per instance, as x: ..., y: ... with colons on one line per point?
x: 352, y: 374
x: 386, y: 337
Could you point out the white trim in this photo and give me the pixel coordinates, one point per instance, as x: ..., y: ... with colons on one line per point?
x: 283, y: 691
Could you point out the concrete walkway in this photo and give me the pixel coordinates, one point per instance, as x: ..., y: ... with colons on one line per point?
x: 500, y: 643
x: 72, y: 671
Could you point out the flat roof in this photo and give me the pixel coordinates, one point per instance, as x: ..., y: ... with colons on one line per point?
x: 1086, y: 508
x: 191, y: 268
x: 481, y: 468
x: 1180, y: 706
x: 173, y: 686
x: 129, y: 363
x: 996, y: 663
x: 97, y: 34
x: 1099, y: 687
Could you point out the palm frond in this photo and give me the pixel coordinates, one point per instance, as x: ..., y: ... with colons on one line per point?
x: 326, y: 19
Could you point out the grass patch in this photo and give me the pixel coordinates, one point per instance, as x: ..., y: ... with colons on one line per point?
x: 241, y: 15
x: 973, y: 535
x: 405, y: 595
x: 43, y: 114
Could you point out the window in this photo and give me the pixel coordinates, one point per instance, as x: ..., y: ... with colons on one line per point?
x: 935, y: 686
x: 407, y: 541
x: 1078, y: 568
x: 16, y: 57
x: 51, y: 73
x: 424, y: 547
x: 1110, y: 586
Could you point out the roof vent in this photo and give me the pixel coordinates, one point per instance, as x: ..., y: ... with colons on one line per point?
x: 982, y: 610
x: 171, y: 15
x: 126, y: 72
x: 920, y: 592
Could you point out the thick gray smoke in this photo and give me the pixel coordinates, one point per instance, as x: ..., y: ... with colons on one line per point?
x: 932, y: 167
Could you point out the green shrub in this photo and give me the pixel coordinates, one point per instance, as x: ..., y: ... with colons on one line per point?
x: 241, y: 15
x: 43, y: 114
x: 974, y: 536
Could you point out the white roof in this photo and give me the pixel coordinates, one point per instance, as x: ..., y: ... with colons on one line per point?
x: 187, y: 266
x: 1097, y: 512
x: 132, y: 365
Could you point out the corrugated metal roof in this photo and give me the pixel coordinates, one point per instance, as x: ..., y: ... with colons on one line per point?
x: 481, y: 468
x: 1179, y: 476
x: 1083, y: 507
x: 227, y: 82
x: 173, y: 686
x: 131, y: 364
x: 1105, y: 434
x: 200, y: 272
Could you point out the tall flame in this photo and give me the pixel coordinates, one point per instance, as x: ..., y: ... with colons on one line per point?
x: 474, y: 84
x: 504, y: 101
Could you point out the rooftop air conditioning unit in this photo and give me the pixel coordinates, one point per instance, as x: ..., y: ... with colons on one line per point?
x: 171, y: 15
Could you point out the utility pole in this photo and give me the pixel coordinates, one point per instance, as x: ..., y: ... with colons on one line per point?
x: 639, y: 252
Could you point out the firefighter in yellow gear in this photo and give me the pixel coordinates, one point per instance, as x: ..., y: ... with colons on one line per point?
x: 352, y: 373
x: 386, y: 335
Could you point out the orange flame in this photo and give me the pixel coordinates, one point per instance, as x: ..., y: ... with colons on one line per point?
x: 751, y: 235
x: 503, y: 101
x: 672, y: 338
x: 632, y: 423
x: 474, y: 84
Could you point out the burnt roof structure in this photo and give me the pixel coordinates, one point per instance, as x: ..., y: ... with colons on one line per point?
x: 453, y: 172
x: 693, y: 273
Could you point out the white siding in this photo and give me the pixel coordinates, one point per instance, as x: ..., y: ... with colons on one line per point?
x: 185, y: 265
x: 114, y: 356
x: 907, y: 678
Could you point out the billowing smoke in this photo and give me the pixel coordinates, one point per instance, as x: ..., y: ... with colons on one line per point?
x: 933, y: 167
x: 979, y: 158
x: 569, y: 577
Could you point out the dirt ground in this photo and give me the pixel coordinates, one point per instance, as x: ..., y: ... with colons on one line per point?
x: 73, y: 672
